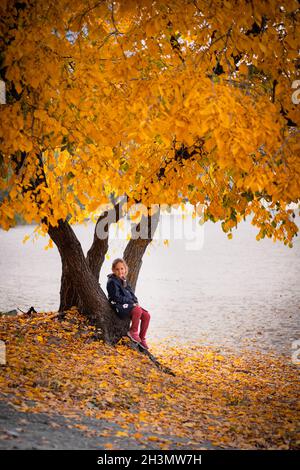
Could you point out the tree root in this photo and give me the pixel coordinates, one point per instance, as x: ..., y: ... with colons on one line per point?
x: 29, y: 312
x: 138, y: 347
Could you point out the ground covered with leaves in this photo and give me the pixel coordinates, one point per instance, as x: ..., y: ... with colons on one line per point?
x: 229, y: 400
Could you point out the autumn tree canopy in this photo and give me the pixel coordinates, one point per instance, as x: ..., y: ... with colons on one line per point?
x: 166, y: 101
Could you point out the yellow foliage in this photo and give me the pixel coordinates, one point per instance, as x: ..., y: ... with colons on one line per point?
x: 107, y: 110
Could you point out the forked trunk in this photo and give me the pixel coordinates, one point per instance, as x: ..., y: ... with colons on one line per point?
x: 93, y: 301
x: 136, y: 247
x: 95, y: 257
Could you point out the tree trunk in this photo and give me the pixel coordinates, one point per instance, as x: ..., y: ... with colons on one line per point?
x: 133, y: 253
x: 80, y: 276
x: 68, y: 294
x: 95, y: 257
x: 136, y: 247
x: 93, y: 301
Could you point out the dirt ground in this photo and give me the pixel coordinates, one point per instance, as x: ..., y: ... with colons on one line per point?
x: 19, y: 430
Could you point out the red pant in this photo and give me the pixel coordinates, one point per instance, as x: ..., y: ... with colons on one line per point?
x: 139, y: 314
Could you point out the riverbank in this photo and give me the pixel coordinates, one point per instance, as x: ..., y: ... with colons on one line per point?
x: 216, y: 399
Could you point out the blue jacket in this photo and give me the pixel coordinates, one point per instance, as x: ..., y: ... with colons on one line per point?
x: 120, y: 295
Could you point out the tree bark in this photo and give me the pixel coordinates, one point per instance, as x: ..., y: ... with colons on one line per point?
x: 136, y: 247
x: 96, y: 254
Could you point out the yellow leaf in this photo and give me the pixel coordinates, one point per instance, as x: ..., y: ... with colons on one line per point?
x: 27, y: 237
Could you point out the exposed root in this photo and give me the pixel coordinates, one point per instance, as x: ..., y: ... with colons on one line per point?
x: 138, y: 347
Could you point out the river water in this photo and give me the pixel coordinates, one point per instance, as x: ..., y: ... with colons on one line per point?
x: 238, y: 293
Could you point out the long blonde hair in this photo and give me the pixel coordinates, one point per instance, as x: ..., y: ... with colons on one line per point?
x: 119, y: 260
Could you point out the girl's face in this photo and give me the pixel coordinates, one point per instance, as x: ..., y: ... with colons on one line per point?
x: 119, y: 270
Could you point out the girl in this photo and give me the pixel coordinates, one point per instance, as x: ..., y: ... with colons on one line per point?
x: 125, y: 303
